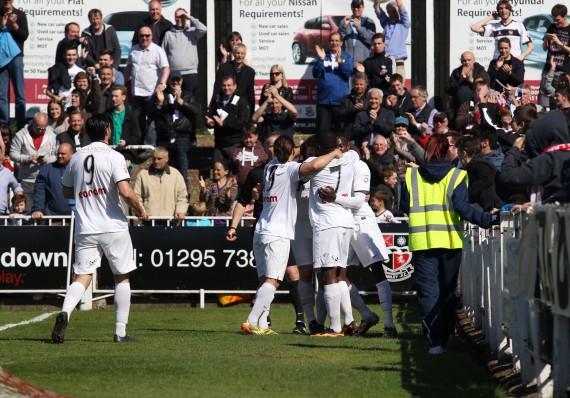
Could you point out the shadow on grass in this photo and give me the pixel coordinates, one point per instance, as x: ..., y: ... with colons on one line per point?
x: 367, y: 349
x: 451, y: 374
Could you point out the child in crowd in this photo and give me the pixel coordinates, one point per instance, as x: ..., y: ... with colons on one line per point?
x: 18, y: 210
x: 378, y: 204
x: 250, y: 155
x: 198, y: 209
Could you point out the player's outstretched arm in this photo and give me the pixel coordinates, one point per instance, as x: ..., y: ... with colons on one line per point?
x: 128, y: 194
x: 319, y: 163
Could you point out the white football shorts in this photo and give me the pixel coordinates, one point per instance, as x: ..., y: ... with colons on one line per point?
x: 367, y: 245
x: 271, y: 255
x: 330, y: 247
x: 116, y: 246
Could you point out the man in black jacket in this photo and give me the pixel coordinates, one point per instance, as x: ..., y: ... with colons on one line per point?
x: 244, y: 77
x: 228, y: 114
x: 460, y: 83
x: 156, y: 22
x: 75, y: 134
x: 353, y: 103
x: 174, y: 113
x: 398, y: 99
x: 379, y: 67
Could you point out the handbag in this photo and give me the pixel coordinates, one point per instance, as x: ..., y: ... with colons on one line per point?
x: 8, y: 47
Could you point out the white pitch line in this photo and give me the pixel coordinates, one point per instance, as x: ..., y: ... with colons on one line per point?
x: 39, y: 318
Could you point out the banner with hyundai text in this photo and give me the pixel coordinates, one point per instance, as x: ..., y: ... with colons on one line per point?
x: 285, y: 32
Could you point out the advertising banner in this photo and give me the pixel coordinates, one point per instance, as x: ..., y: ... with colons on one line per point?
x: 285, y: 32
x: 33, y: 257
x: 46, y: 22
x: 534, y: 14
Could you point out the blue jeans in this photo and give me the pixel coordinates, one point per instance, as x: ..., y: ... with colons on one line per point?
x: 436, y: 272
x: 13, y: 72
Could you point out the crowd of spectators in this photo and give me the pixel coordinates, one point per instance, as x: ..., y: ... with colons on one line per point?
x: 494, y: 130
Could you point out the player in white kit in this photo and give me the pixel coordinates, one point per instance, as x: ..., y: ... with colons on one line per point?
x: 276, y: 226
x: 332, y: 224
x: 367, y: 247
x: 96, y: 177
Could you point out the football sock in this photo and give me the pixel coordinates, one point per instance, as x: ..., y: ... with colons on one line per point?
x: 72, y: 297
x: 358, y: 302
x: 345, y: 306
x: 307, y: 294
x: 260, y: 310
x: 122, y: 307
x: 332, y: 301
x: 321, y: 306
x: 385, y: 296
x: 296, y: 300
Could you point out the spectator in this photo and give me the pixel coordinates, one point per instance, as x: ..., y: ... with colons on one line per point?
x: 557, y: 42
x: 48, y: 196
x: 32, y: 147
x: 521, y: 95
x: 155, y: 22
x: 174, y: 113
x: 399, y: 99
x: 57, y: 117
x: 562, y: 98
x: 8, y: 182
x: 107, y: 76
x: 357, y: 31
x: 71, y: 32
x: 353, y: 103
x: 332, y: 69
x: 505, y: 70
x: 481, y: 174
x: 125, y: 125
x: 420, y: 114
x: 16, y: 23
x: 401, y: 149
x: 279, y: 81
x: 440, y: 123
x: 5, y: 142
x: 250, y: 156
x: 228, y: 115
x: 60, y: 76
x: 275, y: 114
x: 226, y: 54
x: 88, y: 92
x: 506, y: 27
x: 379, y: 67
x: 544, y: 141
x: 219, y: 193
x: 380, y: 156
x: 481, y: 109
x: 244, y: 76
x: 181, y: 47
x: 100, y: 37
x: 489, y: 148
x: 379, y: 203
x: 198, y: 209
x: 76, y: 136
x: 374, y: 120
x: 161, y: 188
x: 388, y: 184
x: 18, y: 213
x: 106, y: 58
x: 459, y: 86
x: 396, y: 26
x: 148, y: 66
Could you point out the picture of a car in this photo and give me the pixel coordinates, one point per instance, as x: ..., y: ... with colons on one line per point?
x: 536, y: 25
x: 125, y: 24
x: 314, y: 31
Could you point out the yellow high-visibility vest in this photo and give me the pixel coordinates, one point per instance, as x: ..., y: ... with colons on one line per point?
x: 434, y: 223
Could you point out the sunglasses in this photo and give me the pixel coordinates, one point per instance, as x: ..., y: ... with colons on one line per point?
x: 275, y: 73
x: 40, y: 128
x: 144, y: 35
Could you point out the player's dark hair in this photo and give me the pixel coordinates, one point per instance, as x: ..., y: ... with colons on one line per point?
x: 325, y: 142
x: 283, y: 148
x: 436, y: 147
x: 308, y: 143
x: 96, y: 126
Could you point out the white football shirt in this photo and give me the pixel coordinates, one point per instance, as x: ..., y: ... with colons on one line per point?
x: 279, y: 212
x: 94, y: 172
x: 361, y: 184
x: 515, y: 31
x: 338, y: 174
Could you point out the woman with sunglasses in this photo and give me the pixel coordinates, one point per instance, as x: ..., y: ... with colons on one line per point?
x: 278, y: 80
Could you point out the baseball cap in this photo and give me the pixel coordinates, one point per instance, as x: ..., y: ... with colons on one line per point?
x: 357, y: 3
x: 439, y: 116
x: 401, y: 120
